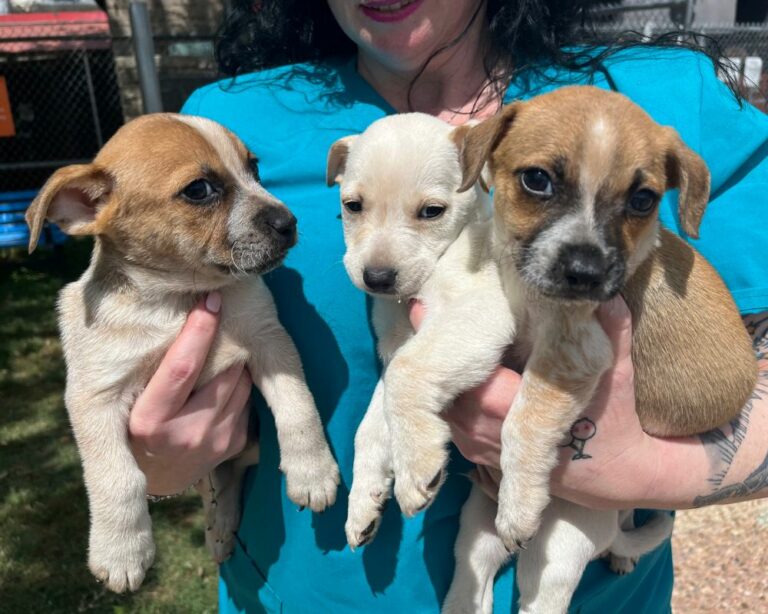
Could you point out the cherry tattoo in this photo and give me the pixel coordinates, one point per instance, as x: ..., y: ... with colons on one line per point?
x: 582, y: 431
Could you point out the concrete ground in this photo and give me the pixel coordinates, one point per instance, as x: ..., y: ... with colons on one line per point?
x: 721, y: 559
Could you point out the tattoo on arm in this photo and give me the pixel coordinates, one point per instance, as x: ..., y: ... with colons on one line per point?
x: 722, y: 444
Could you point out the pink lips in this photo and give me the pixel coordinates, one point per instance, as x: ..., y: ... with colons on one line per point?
x: 376, y: 10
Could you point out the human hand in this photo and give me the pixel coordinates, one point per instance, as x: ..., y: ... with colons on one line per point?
x: 179, y: 436
x: 608, y: 460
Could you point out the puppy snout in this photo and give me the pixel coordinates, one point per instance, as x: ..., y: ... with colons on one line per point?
x: 380, y: 279
x: 278, y: 222
x: 581, y: 268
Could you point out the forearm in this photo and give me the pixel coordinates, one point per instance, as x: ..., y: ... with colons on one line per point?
x: 725, y: 465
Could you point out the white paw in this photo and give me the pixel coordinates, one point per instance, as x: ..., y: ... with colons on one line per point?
x: 312, y: 482
x: 417, y: 483
x: 121, y: 561
x: 516, y: 525
x: 364, y: 514
x: 621, y: 565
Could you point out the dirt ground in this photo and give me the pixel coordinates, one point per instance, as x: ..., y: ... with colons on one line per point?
x: 721, y: 559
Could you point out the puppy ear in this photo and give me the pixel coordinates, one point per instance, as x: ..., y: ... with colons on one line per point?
x: 337, y: 159
x: 70, y: 199
x: 477, y: 143
x: 689, y: 173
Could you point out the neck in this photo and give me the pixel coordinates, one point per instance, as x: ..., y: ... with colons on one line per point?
x: 451, y: 86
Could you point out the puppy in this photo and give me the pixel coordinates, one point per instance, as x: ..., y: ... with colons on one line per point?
x: 176, y: 208
x: 577, y: 177
x: 410, y: 234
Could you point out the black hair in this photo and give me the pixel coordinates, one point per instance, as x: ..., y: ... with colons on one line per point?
x: 525, y: 35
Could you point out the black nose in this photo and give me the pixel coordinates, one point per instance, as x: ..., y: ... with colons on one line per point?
x: 379, y: 279
x: 582, y: 268
x: 279, y: 220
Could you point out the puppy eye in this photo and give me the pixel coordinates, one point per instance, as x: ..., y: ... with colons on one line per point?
x: 253, y: 164
x: 642, y: 202
x: 537, y: 182
x: 431, y: 211
x: 353, y: 206
x: 200, y: 191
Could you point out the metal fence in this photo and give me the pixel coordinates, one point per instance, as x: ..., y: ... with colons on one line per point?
x: 63, y: 96
x: 745, y: 45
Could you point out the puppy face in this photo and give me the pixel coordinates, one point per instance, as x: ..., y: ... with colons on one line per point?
x: 400, y: 205
x: 578, y: 175
x: 173, y: 193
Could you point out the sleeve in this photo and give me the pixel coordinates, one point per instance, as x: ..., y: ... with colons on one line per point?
x: 733, y: 140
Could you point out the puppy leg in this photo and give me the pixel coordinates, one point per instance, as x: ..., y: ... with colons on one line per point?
x: 426, y: 374
x: 311, y: 473
x: 120, y: 544
x: 550, y: 569
x: 559, y: 380
x: 220, y: 491
x: 372, y: 474
x: 479, y: 556
x: 622, y: 565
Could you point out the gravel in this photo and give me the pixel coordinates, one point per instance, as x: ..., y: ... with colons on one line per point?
x: 721, y: 559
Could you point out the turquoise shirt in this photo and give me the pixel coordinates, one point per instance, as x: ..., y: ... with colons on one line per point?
x: 298, y: 562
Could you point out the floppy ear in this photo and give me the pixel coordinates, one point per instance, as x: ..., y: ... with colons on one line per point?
x: 70, y: 199
x: 337, y: 159
x: 689, y: 173
x: 479, y: 142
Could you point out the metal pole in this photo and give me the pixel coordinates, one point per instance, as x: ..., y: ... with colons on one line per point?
x: 688, y: 23
x: 144, y: 50
x: 92, y: 97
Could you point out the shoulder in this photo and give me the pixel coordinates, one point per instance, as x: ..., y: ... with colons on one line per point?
x: 268, y: 98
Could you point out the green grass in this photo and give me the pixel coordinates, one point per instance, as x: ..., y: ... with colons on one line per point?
x: 43, y: 507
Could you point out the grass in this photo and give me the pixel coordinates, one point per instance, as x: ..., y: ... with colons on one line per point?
x: 43, y: 506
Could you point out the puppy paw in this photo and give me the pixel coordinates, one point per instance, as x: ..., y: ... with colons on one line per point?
x: 621, y: 565
x: 121, y: 561
x: 312, y: 482
x: 515, y: 526
x: 415, y: 490
x: 222, y: 521
x: 364, y: 515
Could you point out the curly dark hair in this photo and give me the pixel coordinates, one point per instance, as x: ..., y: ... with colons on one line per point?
x: 524, y: 34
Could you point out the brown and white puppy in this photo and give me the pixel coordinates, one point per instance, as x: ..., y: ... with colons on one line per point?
x: 177, y: 210
x: 577, y: 177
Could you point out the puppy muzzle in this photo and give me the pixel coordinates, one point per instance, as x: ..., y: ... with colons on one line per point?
x: 585, y: 272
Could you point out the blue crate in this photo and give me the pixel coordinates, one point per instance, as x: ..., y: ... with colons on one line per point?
x: 13, y: 228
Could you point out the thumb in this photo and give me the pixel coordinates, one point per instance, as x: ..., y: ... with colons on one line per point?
x: 616, y: 320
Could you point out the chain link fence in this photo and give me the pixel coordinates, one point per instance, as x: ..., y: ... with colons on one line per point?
x: 745, y: 45
x: 63, y: 97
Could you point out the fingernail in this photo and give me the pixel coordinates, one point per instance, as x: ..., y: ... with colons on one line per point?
x: 213, y: 302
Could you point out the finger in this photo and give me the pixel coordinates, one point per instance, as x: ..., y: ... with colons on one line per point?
x: 177, y: 374
x: 416, y: 313
x: 616, y: 319
x: 492, y: 398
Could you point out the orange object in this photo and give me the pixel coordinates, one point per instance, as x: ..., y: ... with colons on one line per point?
x: 6, y: 117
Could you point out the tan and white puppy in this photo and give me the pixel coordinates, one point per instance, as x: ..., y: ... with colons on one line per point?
x: 176, y: 208
x: 578, y: 175
x: 410, y: 234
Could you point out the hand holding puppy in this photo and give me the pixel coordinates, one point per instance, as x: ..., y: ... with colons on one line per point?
x: 178, y: 437
x: 624, y: 471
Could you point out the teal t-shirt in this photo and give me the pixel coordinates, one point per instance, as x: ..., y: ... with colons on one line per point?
x: 296, y: 562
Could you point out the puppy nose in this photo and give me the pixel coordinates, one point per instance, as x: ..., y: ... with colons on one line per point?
x: 583, y: 267
x: 379, y: 279
x: 281, y: 221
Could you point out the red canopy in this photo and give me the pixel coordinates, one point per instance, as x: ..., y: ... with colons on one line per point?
x: 21, y: 32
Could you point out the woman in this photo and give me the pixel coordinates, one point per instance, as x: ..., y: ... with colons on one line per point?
x: 458, y: 60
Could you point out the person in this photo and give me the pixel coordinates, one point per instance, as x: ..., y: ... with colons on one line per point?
x: 303, y: 74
